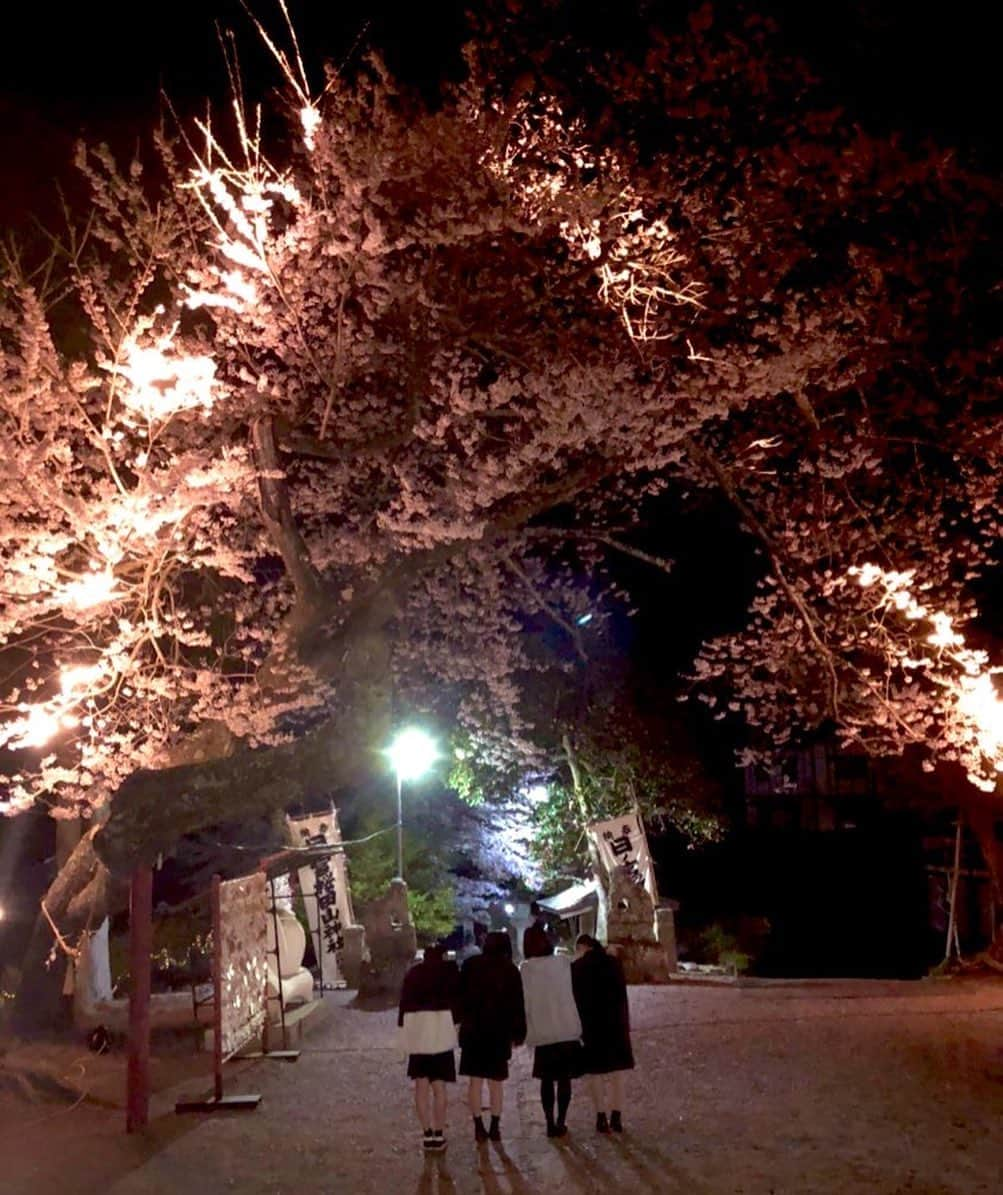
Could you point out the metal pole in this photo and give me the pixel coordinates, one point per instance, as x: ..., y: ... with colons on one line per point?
x: 278, y: 960
x: 400, y: 830
x: 140, y: 948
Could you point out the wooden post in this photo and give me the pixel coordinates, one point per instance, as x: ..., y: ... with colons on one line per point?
x: 140, y: 949
x: 952, y: 921
x: 217, y: 989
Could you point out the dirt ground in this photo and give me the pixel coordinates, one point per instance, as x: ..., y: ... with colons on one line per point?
x: 784, y: 1088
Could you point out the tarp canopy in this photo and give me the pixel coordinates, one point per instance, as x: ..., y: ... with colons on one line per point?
x: 572, y: 902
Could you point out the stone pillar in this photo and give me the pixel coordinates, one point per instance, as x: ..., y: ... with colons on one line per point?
x: 392, y: 944
x: 631, y: 934
x: 665, y: 931
x: 354, y: 953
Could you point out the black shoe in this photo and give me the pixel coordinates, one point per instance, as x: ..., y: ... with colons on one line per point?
x: 615, y: 1123
x: 480, y: 1132
x: 438, y: 1140
x: 551, y: 1129
x: 602, y: 1124
x: 494, y: 1133
x: 428, y: 1141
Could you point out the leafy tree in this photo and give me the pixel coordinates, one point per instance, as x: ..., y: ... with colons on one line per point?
x: 431, y: 898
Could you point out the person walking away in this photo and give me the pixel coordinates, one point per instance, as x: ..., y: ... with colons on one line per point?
x: 601, y: 996
x: 537, y: 940
x: 554, y: 1029
x: 427, y: 1019
x: 492, y: 1021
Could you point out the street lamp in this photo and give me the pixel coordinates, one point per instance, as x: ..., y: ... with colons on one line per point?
x: 411, y: 753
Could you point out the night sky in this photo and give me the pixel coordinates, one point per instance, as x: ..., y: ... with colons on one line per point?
x: 97, y: 69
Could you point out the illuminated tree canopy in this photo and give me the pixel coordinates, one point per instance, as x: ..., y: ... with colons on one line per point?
x: 298, y: 424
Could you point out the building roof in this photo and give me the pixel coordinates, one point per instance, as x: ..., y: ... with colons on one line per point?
x: 572, y: 901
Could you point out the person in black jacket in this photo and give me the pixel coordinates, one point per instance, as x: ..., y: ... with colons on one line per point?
x: 601, y: 995
x: 537, y: 941
x: 492, y: 1021
x: 428, y: 1010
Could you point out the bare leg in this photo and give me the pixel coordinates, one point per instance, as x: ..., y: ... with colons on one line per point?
x: 475, y: 1094
x: 438, y: 1105
x: 495, y: 1095
x: 616, y: 1091
x: 423, y: 1102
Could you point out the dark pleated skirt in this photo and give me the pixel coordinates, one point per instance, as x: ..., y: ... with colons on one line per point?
x: 562, y: 1060
x: 484, y: 1058
x: 440, y: 1067
x: 604, y: 1057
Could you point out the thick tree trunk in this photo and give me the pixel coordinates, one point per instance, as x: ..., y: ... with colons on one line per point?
x: 153, y: 809
x: 76, y: 898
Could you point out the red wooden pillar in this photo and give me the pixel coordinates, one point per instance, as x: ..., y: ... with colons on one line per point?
x: 140, y: 949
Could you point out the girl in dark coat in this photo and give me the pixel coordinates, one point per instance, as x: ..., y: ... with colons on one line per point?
x: 492, y: 1021
x: 601, y: 995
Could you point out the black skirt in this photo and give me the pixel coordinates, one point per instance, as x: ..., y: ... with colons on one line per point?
x: 604, y: 1057
x: 484, y: 1058
x: 437, y: 1067
x: 562, y: 1060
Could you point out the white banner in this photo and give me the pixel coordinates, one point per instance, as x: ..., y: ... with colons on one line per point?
x: 328, y: 879
x: 622, y: 842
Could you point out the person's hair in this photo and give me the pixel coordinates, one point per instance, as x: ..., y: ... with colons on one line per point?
x: 588, y: 942
x: 497, y: 944
x: 435, y: 953
x: 535, y: 909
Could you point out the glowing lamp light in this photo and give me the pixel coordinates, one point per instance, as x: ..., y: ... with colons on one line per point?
x: 980, y: 703
x: 36, y: 728
x: 73, y: 682
x: 509, y: 910
x: 412, y: 753
x: 537, y: 793
x: 91, y: 590
x: 583, y: 620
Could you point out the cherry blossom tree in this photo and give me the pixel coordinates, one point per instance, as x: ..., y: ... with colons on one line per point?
x: 300, y: 428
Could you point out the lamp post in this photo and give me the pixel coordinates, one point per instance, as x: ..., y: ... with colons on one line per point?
x: 411, y: 753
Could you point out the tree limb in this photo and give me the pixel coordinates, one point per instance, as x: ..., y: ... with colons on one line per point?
x: 277, y: 514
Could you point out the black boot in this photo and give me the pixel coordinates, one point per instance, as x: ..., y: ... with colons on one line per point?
x: 615, y: 1123
x: 494, y: 1133
x: 602, y: 1124
x: 480, y: 1133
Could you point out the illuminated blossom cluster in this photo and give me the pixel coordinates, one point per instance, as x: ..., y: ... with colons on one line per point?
x: 355, y: 414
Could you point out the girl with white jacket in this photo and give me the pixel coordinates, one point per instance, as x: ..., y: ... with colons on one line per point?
x: 427, y: 1018
x: 554, y: 1028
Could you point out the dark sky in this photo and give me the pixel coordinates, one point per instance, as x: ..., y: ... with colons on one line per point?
x: 97, y: 68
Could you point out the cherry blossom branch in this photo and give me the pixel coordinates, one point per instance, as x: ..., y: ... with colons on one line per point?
x: 755, y: 525
x: 512, y: 564
x: 602, y: 537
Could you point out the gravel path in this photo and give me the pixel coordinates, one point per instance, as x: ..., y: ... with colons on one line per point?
x: 876, y: 1089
